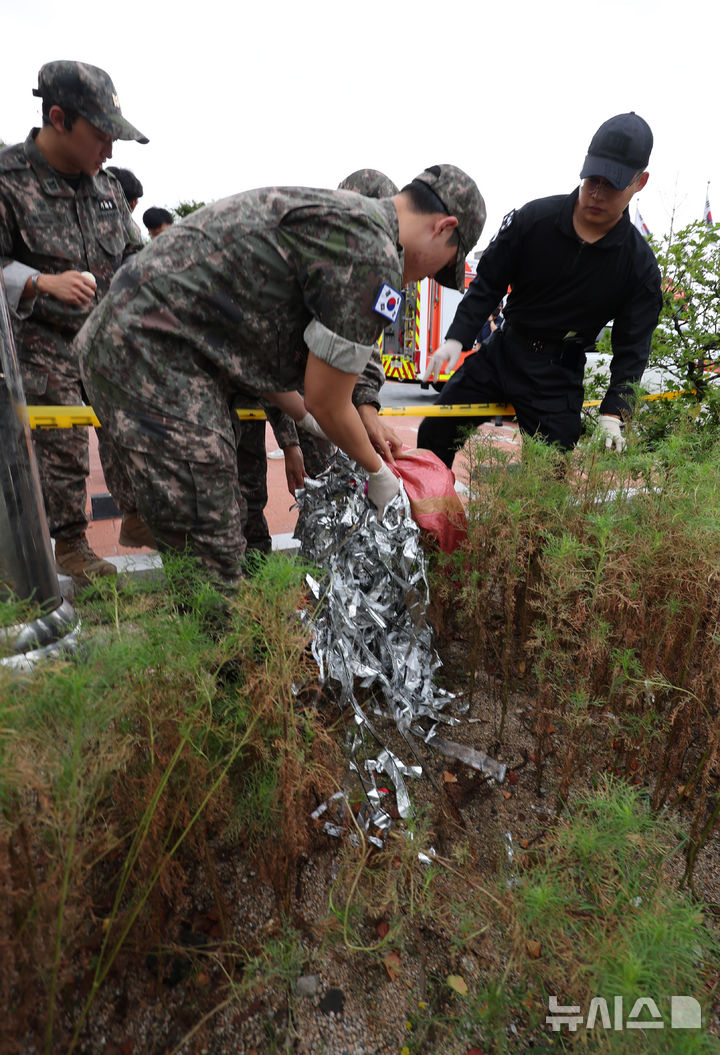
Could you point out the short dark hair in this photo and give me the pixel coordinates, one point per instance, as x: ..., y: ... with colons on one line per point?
x: 71, y: 116
x: 423, y: 199
x: 131, y: 185
x: 156, y: 217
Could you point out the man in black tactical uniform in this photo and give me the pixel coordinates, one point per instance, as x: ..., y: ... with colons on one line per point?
x: 574, y: 263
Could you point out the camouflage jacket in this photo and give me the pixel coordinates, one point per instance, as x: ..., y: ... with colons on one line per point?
x: 366, y: 390
x: 47, y: 226
x: 238, y: 291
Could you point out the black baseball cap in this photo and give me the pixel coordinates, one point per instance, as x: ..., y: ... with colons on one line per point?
x: 619, y: 149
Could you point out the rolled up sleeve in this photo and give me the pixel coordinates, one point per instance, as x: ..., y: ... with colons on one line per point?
x: 16, y: 275
x: 347, y: 356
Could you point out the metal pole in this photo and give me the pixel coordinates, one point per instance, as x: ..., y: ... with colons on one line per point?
x: 27, y: 566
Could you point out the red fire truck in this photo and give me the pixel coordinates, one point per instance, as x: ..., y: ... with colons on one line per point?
x: 428, y: 310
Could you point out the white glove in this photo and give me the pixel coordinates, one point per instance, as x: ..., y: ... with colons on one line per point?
x: 449, y: 351
x: 382, y: 486
x: 308, y: 423
x: 609, y: 429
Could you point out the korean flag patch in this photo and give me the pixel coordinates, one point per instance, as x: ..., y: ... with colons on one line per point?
x: 388, y: 302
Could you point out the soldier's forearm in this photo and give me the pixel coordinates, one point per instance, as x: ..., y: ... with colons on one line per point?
x: 291, y: 403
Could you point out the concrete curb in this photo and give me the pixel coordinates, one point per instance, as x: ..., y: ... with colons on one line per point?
x: 150, y: 564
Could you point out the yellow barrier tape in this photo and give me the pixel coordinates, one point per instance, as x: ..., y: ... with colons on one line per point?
x: 75, y: 417
x: 61, y: 417
x: 452, y: 410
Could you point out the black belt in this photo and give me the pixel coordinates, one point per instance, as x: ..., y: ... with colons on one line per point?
x: 565, y: 347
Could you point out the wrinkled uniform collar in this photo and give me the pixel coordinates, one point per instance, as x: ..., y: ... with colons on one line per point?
x: 53, y: 183
x: 615, y: 236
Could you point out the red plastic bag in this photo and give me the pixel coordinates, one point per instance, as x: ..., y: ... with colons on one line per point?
x: 434, y: 504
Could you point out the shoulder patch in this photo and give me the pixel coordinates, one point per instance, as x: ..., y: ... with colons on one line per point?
x: 507, y: 220
x: 12, y: 159
x: 387, y: 303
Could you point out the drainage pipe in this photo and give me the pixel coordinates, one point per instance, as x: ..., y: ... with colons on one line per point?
x: 27, y: 565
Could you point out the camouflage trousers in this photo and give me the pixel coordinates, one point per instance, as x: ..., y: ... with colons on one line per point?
x: 183, y: 474
x: 63, y: 454
x: 316, y: 453
x: 252, y: 480
x: 193, y: 506
x: 252, y: 474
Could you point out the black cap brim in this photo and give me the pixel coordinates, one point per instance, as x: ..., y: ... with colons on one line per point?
x: 621, y: 176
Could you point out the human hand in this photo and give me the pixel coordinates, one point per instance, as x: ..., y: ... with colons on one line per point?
x: 450, y: 352
x: 76, y: 288
x: 294, y: 468
x: 610, y: 431
x: 384, y: 439
x: 383, y: 485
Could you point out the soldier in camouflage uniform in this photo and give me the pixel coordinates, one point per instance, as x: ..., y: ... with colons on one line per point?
x: 65, y: 228
x: 305, y: 453
x: 259, y: 294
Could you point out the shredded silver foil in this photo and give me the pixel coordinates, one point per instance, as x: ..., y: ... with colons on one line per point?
x: 469, y: 755
x: 371, y: 636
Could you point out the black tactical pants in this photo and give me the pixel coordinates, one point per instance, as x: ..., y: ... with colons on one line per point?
x: 542, y: 380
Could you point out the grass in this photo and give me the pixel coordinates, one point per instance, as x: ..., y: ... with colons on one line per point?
x: 189, y: 739
x: 166, y: 739
x: 590, y: 915
x: 611, y: 605
x: 605, y: 922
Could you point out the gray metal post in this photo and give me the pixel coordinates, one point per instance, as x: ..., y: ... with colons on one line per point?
x: 27, y: 566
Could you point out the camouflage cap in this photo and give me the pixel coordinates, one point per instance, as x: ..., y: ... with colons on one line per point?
x: 89, y: 91
x: 370, y: 182
x: 459, y: 196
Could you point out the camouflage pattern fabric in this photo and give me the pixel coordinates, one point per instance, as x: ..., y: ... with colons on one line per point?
x: 225, y: 296
x: 48, y: 226
x: 284, y: 428
x: 192, y: 505
x: 252, y: 461
x: 252, y: 466
x: 62, y: 455
x: 373, y: 184
x: 368, y: 385
x: 370, y: 182
x: 217, y: 307
x: 316, y: 453
x: 89, y: 91
x: 459, y: 196
x: 252, y: 481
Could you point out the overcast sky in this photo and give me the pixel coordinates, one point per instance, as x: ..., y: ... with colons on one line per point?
x: 262, y: 93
